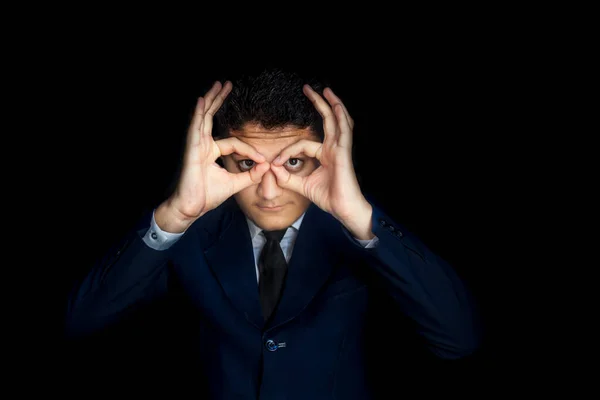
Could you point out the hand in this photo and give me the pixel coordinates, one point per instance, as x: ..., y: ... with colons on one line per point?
x: 203, y: 183
x: 333, y: 186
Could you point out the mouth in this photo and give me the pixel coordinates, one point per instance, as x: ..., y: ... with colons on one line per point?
x: 271, y: 209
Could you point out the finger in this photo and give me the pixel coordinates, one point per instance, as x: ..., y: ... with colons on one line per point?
x: 234, y: 145
x: 219, y: 98
x: 304, y: 146
x: 244, y: 179
x: 329, y: 121
x: 345, y: 123
x: 216, y: 103
x: 289, y: 181
x: 345, y: 136
x: 212, y: 94
x: 333, y: 100
x: 199, y: 113
x: 193, y: 138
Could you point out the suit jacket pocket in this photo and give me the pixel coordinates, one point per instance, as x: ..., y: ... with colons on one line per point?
x: 342, y: 287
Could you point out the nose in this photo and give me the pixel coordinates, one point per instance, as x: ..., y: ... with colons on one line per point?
x: 268, y: 188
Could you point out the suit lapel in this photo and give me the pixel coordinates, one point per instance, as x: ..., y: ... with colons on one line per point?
x: 309, y: 266
x: 231, y: 259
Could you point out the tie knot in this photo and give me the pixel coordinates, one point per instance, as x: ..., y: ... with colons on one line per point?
x: 274, y: 235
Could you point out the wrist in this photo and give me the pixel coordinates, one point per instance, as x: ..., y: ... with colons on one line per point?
x: 170, y: 219
x: 360, y: 225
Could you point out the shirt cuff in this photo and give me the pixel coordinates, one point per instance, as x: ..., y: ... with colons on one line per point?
x: 158, y: 239
x: 368, y: 243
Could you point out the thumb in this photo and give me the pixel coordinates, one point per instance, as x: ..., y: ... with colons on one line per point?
x: 242, y: 180
x: 287, y: 180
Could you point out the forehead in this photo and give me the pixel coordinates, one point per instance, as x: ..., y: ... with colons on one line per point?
x: 272, y: 140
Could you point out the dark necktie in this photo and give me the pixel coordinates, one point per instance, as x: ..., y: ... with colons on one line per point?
x: 272, y: 267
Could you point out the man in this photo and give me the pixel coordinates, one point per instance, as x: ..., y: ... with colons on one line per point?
x: 278, y: 255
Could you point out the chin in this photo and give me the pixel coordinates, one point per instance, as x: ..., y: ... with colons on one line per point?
x: 274, y: 223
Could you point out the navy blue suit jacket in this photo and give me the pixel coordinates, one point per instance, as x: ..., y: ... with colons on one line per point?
x: 317, y: 344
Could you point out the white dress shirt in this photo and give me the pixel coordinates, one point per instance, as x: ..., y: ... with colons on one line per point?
x: 158, y: 239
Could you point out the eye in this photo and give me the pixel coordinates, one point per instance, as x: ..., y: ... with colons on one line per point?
x: 245, y: 165
x: 294, y: 164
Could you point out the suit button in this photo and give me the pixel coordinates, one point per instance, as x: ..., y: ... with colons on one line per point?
x: 271, y: 345
x: 382, y: 222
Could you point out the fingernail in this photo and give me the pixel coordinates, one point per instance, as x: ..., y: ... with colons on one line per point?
x: 277, y: 160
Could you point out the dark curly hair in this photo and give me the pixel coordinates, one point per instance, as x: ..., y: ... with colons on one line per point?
x: 273, y: 97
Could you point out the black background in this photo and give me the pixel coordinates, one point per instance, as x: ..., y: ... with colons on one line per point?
x: 434, y: 113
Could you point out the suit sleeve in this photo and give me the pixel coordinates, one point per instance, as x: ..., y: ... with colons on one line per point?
x: 425, y: 287
x: 129, y: 274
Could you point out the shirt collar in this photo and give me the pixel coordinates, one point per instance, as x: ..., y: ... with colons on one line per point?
x: 255, y: 230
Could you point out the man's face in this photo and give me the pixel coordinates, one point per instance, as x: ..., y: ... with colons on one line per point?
x: 255, y: 200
